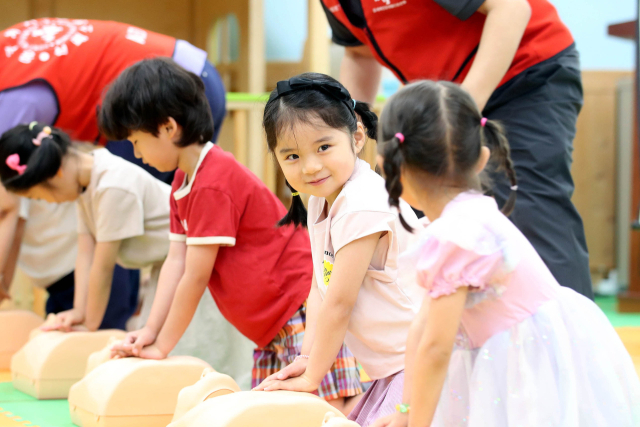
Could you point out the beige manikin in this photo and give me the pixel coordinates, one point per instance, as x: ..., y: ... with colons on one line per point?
x: 131, y: 391
x: 50, y: 363
x: 15, y: 326
x: 330, y: 420
x: 211, y: 384
x: 214, y: 402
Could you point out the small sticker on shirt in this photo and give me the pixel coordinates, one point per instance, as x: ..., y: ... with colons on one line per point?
x: 328, y: 268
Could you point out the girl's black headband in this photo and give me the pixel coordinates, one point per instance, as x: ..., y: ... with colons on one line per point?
x: 335, y: 90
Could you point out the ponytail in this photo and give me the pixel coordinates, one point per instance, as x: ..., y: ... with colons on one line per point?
x: 497, y: 142
x: 392, y: 166
x: 297, y: 214
x: 37, y: 151
x: 369, y: 118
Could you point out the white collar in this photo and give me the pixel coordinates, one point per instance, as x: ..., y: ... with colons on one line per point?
x: 185, y: 188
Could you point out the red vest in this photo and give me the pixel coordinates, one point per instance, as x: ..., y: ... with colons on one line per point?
x: 418, y: 39
x: 78, y: 59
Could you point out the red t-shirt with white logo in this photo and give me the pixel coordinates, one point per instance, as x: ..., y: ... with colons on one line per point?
x: 262, y: 274
x: 77, y: 59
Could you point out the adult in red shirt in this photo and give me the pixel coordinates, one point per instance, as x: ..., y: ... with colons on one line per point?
x: 54, y: 71
x: 520, y: 64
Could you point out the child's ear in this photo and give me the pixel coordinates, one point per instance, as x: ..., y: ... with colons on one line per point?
x: 360, y: 137
x: 171, y: 128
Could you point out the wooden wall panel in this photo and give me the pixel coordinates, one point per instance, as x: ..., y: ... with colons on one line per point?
x: 171, y: 17
x: 14, y: 11
x: 594, y: 167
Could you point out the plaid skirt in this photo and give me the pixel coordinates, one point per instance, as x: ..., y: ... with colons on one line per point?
x: 343, y: 380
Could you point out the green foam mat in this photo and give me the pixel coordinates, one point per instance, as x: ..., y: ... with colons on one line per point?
x: 42, y: 413
x: 609, y: 306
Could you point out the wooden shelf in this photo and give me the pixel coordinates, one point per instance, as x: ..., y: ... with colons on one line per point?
x: 625, y: 30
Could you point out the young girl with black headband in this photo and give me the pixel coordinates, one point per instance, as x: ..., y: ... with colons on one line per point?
x: 316, y: 131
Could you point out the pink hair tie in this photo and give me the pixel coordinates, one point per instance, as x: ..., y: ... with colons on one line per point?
x: 483, y: 121
x: 13, y: 161
x: 44, y: 133
x: 400, y: 137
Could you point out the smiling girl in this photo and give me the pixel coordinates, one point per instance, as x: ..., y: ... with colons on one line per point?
x: 316, y: 131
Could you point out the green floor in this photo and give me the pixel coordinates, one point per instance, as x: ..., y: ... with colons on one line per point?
x: 608, y: 305
x: 43, y: 413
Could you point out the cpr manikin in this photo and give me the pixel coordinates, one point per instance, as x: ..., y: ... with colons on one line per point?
x: 15, y: 326
x: 131, y: 391
x: 51, y: 362
x: 215, y: 401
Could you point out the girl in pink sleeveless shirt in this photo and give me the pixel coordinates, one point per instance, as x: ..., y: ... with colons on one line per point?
x: 498, y: 342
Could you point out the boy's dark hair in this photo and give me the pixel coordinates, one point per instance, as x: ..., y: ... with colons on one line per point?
x: 443, y: 135
x: 305, y: 99
x: 147, y: 93
x: 42, y: 161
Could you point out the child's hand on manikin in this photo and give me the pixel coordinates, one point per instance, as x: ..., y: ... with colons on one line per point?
x: 152, y: 352
x: 292, y: 370
x: 65, y: 321
x: 300, y: 383
x: 134, y: 342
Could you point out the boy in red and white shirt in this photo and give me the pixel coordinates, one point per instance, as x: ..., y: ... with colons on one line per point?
x: 223, y: 231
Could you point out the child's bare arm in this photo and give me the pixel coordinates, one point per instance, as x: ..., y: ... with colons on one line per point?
x: 200, y: 260
x: 100, y: 277
x: 351, y: 264
x: 172, y: 270
x: 66, y: 319
x: 503, y: 29
x: 313, y: 309
x: 431, y: 359
x: 170, y: 275
x: 413, y: 341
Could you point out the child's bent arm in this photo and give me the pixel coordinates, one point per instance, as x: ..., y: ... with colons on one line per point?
x: 416, y: 331
x: 433, y: 352
x: 503, y: 29
x: 351, y: 265
x: 100, y: 277
x: 170, y: 274
x: 200, y: 260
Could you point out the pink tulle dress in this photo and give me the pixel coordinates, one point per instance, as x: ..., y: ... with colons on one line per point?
x: 528, y: 351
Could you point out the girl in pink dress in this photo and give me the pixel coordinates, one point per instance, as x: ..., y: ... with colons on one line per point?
x: 498, y: 342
